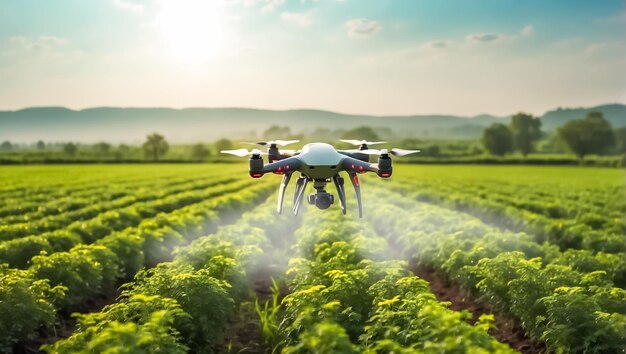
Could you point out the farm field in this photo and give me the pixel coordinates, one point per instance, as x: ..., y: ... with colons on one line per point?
x: 193, y: 258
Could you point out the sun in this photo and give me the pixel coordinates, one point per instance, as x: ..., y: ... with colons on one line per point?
x: 193, y: 30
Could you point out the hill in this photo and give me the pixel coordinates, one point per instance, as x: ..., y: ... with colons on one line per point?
x: 130, y: 125
x: 615, y: 113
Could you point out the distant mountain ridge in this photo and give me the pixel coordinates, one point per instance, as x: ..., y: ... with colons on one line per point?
x: 201, y: 124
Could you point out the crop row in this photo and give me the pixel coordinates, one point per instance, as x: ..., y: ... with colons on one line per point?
x: 600, y: 229
x: 18, y: 252
x: 44, y: 184
x: 66, y: 281
x: 565, y: 299
x: 347, y: 297
x: 141, y: 205
x: 184, y: 304
x: 26, y: 209
x: 598, y: 255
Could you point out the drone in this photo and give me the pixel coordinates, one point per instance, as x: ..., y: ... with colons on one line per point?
x: 319, y: 164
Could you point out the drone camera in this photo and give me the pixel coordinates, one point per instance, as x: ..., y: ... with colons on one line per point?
x: 322, y: 200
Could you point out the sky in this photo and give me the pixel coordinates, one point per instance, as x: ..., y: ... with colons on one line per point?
x: 387, y: 57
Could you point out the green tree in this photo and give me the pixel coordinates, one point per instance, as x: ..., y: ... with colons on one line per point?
x: 155, y: 146
x: 498, y: 139
x: 620, y: 137
x: 526, y: 129
x: 41, y: 145
x: 102, y: 149
x: 412, y: 143
x: 361, y: 133
x: 591, y: 135
x: 6, y: 146
x: 433, y: 151
x: 276, y: 132
x: 199, y: 152
x: 223, y: 144
x: 70, y: 149
x: 122, y: 152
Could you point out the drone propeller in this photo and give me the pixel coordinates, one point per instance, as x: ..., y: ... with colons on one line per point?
x: 272, y: 142
x: 289, y: 152
x: 403, y: 152
x: 395, y: 152
x: 243, y: 152
x: 362, y: 142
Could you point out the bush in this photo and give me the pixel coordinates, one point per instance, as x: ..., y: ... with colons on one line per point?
x: 198, y: 294
x: 155, y: 336
x: 26, y: 304
x: 84, y: 270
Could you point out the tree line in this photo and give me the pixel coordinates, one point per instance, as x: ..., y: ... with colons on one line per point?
x: 154, y: 148
x: 590, y: 135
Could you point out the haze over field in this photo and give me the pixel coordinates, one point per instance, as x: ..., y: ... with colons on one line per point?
x: 377, y: 57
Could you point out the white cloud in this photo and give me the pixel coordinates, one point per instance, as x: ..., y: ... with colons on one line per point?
x: 567, y: 43
x: 52, y: 40
x: 435, y: 45
x: 616, y: 19
x: 606, y: 48
x: 484, y: 37
x: 270, y: 5
x: 528, y: 30
x: 42, y: 43
x: 300, y: 19
x: 362, y: 27
x: 128, y: 5
x: 487, y: 37
x: 266, y: 5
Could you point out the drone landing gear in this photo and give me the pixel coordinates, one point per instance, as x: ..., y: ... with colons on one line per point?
x: 321, y: 199
x: 341, y: 192
x: 301, y: 183
x: 354, y: 178
x: 281, y: 192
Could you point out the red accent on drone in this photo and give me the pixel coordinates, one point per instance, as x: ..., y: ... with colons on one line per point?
x: 356, y: 181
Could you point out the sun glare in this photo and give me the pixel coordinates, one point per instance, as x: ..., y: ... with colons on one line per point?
x: 193, y: 30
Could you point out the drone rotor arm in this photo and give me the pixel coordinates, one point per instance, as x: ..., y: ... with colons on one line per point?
x: 288, y: 165
x: 350, y: 164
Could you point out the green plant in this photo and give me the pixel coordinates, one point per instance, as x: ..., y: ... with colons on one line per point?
x: 268, y: 318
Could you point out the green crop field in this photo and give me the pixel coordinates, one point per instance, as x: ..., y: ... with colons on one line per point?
x: 182, y: 258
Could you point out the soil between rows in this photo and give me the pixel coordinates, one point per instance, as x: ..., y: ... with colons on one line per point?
x: 507, y: 329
